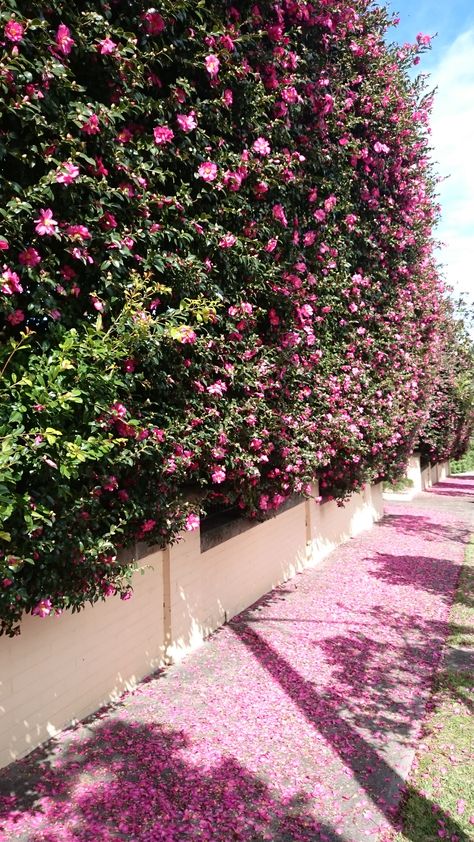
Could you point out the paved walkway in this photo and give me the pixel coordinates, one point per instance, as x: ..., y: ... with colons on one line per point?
x: 295, y: 723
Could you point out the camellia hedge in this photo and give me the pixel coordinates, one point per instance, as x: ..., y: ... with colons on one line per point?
x: 447, y: 430
x: 217, y: 274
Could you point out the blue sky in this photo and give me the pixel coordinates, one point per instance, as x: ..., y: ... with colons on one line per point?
x: 450, y: 64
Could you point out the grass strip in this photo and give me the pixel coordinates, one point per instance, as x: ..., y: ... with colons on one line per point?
x: 439, y: 800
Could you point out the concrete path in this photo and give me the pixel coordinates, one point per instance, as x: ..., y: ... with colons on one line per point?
x: 297, y: 722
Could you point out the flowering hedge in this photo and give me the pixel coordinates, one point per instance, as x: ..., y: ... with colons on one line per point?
x: 447, y: 431
x: 217, y: 272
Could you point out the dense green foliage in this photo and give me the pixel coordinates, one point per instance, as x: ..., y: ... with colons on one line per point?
x: 218, y: 274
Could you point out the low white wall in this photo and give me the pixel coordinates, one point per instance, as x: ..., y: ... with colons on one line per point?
x: 209, y: 588
x: 61, y: 669
x: 332, y: 525
x: 413, y: 472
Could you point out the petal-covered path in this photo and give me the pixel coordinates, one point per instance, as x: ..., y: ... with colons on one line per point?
x: 294, y: 723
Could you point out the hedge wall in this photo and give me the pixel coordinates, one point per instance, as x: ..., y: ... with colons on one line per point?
x: 218, y: 279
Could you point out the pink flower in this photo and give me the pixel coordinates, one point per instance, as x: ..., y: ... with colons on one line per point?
x: 147, y: 526
x: 423, y: 40
x: 79, y: 232
x: 43, y: 608
x: 16, y: 318
x: 217, y: 388
x: 10, y: 282
x: 129, y: 365
x: 218, y: 474
x: 91, y: 126
x: 106, y: 46
x: 4, y: 244
x: 212, y: 65
x: 271, y: 245
x: 192, y: 523
x: 261, y: 147
x: 232, y: 180
x: 278, y: 213
x: 381, y: 147
x: 14, y: 31
x: 260, y: 189
x: 67, y: 173
x: 64, y: 42
x: 154, y: 23
x: 163, y: 134
x: 107, y: 221
x: 186, y: 336
x: 330, y: 203
x: 29, y: 257
x: 46, y: 224
x: 227, y: 241
x: 187, y: 122
x: 319, y: 215
x: 309, y: 238
x: 227, y: 97
x: 119, y: 410
x: 208, y: 171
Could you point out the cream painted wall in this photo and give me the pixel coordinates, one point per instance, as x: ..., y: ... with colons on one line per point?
x: 60, y: 669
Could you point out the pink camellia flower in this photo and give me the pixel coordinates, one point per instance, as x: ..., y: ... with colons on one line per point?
x: 192, y: 523
x: 212, y: 65
x: 261, y: 147
x: 278, y: 213
x: 309, y: 238
x: 330, y: 203
x: 218, y: 474
x: 64, y: 42
x: 154, y: 23
x: 227, y: 97
x: 163, y: 135
x: 381, y: 147
x: 208, y: 171
x: 107, y: 221
x: 125, y: 595
x: 91, y: 126
x: 67, y: 173
x: 186, y: 335
x: 43, y: 608
x: 106, y: 46
x: 217, y: 388
x: 232, y: 180
x: 16, y: 318
x: 46, y: 224
x: 260, y: 189
x: 79, y: 232
x: 29, y: 257
x: 10, y: 282
x: 14, y: 31
x: 129, y: 365
x: 350, y: 220
x: 319, y: 215
x: 4, y: 244
x: 227, y: 241
x: 187, y: 122
x: 423, y: 40
x: 147, y: 526
x: 271, y: 245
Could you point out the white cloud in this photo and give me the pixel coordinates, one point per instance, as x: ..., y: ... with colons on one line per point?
x: 453, y: 150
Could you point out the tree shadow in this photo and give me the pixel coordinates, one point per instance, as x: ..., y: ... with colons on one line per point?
x: 416, y: 524
x: 432, y: 575
x: 132, y: 781
x: 342, y: 727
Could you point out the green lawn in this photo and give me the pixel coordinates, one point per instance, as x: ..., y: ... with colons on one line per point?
x: 440, y: 796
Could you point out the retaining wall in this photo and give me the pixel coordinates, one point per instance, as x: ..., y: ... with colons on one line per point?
x: 61, y: 669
